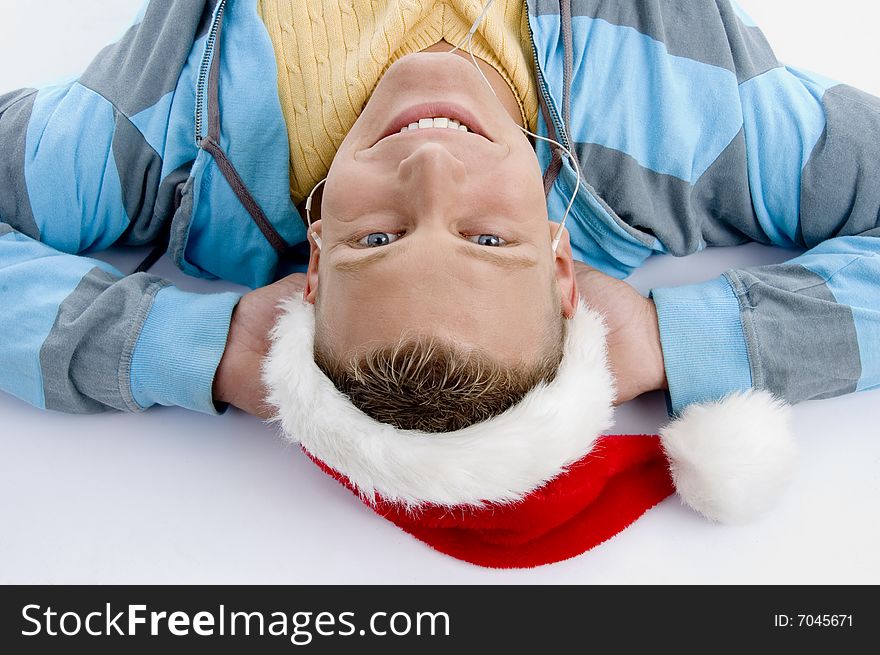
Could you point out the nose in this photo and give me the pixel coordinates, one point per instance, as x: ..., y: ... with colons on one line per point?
x: 431, y: 174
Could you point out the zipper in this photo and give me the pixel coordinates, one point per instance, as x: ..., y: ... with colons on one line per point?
x: 561, y: 132
x: 205, y: 70
x: 208, y: 143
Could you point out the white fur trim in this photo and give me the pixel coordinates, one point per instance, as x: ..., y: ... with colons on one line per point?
x: 497, y: 461
x: 730, y: 458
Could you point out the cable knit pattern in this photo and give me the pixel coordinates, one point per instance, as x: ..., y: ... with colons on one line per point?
x: 332, y: 53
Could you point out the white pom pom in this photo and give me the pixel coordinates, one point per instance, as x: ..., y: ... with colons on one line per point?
x: 731, y: 458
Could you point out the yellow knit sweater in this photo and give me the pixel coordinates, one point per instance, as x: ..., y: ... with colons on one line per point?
x: 332, y: 53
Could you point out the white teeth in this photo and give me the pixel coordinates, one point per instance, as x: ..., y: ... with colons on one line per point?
x: 441, y: 122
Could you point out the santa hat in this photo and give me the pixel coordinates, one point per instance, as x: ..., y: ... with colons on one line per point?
x: 538, y: 483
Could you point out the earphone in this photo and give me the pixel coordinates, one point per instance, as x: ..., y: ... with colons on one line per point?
x: 468, y: 39
x: 313, y: 234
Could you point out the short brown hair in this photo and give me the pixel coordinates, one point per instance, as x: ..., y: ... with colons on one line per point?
x: 430, y: 385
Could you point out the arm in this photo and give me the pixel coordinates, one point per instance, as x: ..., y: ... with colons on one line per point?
x: 79, y: 337
x: 809, y: 328
x: 77, y: 174
x: 806, y: 329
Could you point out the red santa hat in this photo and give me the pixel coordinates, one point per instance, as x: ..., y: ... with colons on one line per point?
x: 539, y: 483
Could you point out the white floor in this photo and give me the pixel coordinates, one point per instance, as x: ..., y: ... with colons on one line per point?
x: 177, y: 497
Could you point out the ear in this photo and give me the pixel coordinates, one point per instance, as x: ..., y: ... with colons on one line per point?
x: 310, y: 292
x: 564, y: 267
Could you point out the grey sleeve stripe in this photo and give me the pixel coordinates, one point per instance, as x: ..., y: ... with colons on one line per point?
x: 145, y: 64
x: 621, y: 183
x: 15, y: 203
x: 751, y: 53
x: 723, y: 198
x: 716, y: 211
x: 5, y: 229
x: 704, y: 31
x: 543, y: 7
x: 846, y: 157
x: 180, y: 224
x: 146, y: 228
x: 802, y: 343
x: 649, y: 203
x: 85, y: 360
x: 140, y: 168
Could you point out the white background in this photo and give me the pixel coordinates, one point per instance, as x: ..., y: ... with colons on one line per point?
x: 172, y: 496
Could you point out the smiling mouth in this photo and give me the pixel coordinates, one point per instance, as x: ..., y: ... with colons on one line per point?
x: 444, y: 123
x: 438, y: 118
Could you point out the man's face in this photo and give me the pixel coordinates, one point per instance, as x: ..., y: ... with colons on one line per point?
x: 437, y: 231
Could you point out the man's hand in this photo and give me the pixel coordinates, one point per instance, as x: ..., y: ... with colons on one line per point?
x: 238, y: 380
x: 634, y: 351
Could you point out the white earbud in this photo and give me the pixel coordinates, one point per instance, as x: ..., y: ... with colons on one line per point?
x: 313, y: 234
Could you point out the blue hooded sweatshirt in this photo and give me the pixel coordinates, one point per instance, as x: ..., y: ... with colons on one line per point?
x: 688, y: 131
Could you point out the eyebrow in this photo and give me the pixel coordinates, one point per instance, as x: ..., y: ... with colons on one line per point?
x: 509, y: 261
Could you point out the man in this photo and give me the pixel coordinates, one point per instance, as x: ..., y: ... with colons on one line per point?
x: 688, y: 131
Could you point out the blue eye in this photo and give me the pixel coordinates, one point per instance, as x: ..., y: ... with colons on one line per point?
x: 377, y: 239
x: 489, y: 240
